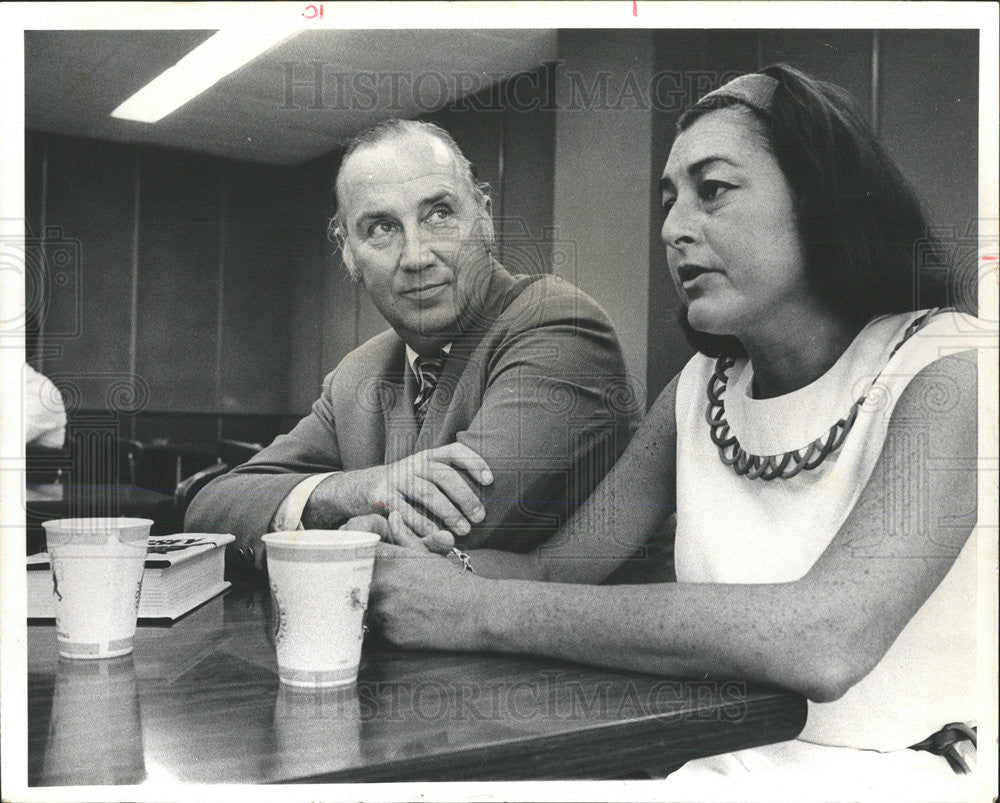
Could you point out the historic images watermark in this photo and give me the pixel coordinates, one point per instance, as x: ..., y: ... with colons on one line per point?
x: 553, y: 696
x: 315, y: 86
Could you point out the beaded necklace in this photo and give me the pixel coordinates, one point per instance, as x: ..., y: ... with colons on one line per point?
x: 787, y: 465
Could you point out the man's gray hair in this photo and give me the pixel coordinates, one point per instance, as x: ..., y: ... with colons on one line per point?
x: 395, y: 128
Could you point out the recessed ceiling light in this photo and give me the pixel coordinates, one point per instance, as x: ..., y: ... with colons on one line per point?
x: 210, y: 62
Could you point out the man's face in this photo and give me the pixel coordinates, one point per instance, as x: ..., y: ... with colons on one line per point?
x: 413, y: 235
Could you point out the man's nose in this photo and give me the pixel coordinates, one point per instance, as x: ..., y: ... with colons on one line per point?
x: 417, y: 253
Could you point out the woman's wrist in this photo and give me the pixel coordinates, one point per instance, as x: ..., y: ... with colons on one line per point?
x: 463, y: 560
x: 477, y: 612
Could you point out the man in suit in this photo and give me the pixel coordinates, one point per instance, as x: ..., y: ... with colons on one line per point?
x: 483, y: 417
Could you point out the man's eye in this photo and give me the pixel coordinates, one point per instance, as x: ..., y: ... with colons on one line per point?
x: 439, y: 214
x: 382, y: 228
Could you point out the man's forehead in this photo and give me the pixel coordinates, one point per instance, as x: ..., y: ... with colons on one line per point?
x: 399, y: 160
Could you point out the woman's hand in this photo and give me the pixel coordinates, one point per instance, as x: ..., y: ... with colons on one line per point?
x: 394, y: 531
x: 419, y: 599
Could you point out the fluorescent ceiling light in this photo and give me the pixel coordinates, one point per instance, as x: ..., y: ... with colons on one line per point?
x: 207, y: 64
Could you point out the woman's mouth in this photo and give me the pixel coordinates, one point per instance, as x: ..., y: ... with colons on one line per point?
x: 691, y: 273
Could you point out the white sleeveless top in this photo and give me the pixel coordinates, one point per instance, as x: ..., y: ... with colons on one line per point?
x: 734, y: 530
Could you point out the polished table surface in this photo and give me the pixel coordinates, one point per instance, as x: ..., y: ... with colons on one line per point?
x: 201, y: 702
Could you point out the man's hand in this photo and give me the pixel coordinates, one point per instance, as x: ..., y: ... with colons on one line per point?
x: 369, y: 523
x: 394, y: 531
x: 431, y: 479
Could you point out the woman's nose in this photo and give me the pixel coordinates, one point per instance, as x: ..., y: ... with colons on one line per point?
x: 679, y: 226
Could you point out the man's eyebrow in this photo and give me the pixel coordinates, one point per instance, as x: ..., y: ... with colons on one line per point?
x: 444, y: 195
x: 373, y: 215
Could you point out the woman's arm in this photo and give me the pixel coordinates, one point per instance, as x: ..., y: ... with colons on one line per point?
x: 634, y: 498
x: 818, y: 635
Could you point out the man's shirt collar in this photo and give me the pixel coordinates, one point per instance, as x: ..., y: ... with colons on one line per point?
x: 411, y: 357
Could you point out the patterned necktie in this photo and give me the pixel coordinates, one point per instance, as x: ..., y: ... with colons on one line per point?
x: 428, y: 371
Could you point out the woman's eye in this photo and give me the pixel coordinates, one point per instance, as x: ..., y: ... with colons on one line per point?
x: 667, y: 204
x: 711, y: 190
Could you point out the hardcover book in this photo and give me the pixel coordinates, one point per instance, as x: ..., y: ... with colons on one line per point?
x: 182, y: 572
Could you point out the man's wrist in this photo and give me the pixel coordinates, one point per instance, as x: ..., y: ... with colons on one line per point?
x: 335, y: 500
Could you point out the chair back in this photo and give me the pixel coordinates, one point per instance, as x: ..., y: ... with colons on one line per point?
x: 129, y: 457
x: 44, y: 465
x: 188, y: 488
x: 236, y: 453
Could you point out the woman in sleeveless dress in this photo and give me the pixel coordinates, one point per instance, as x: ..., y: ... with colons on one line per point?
x: 819, y: 450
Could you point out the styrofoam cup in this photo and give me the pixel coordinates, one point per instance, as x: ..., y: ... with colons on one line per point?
x: 96, y: 579
x: 319, y: 589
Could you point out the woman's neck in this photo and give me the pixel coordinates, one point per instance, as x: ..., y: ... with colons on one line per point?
x: 798, y: 353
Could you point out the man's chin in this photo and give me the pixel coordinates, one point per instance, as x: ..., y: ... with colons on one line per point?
x: 431, y: 327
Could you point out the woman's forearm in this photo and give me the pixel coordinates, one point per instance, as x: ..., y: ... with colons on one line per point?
x: 687, y: 630
x: 498, y: 565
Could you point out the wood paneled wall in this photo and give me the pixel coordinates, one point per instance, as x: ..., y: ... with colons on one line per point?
x: 178, y: 289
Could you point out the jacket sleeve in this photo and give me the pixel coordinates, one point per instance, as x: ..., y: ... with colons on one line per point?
x: 557, y: 412
x: 244, y: 501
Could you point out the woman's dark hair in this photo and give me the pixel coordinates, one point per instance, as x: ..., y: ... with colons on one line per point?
x: 859, y: 220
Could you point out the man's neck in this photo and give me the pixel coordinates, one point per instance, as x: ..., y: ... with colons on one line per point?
x: 427, y: 346
x: 411, y: 354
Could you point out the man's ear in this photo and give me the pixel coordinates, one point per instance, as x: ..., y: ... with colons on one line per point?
x: 486, y: 222
x: 347, y: 254
x: 335, y: 233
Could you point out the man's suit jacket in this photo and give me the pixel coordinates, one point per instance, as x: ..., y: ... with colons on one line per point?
x: 535, y: 384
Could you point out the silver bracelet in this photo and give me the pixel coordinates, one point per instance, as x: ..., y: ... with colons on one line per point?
x: 466, y: 562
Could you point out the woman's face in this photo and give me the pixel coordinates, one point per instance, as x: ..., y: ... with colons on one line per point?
x: 732, y: 242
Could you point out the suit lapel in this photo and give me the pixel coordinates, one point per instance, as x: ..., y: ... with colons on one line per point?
x: 503, y: 288
x: 397, y: 407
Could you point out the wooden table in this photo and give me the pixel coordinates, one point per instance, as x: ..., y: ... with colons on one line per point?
x: 201, y: 702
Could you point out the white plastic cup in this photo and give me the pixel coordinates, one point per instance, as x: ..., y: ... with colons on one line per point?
x: 96, y: 580
x: 319, y: 590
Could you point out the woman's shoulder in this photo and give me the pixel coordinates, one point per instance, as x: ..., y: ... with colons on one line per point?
x: 930, y: 335
x: 693, y: 378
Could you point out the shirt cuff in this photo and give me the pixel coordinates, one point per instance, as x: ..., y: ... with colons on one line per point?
x: 288, y: 516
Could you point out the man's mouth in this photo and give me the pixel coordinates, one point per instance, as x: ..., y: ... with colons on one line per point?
x: 425, y: 290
